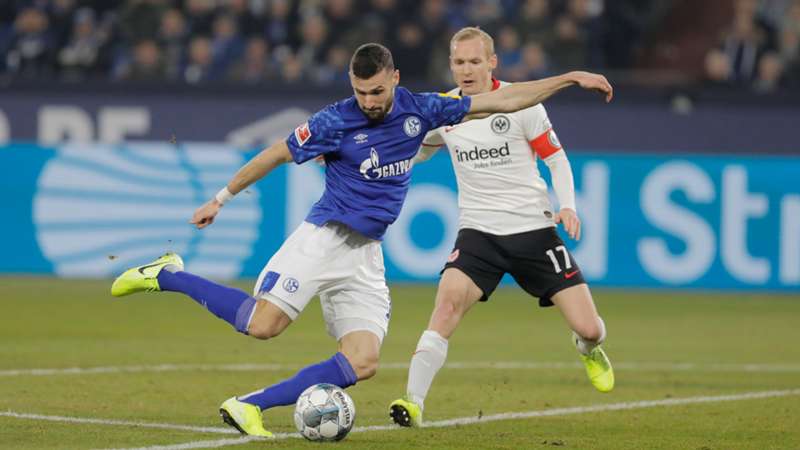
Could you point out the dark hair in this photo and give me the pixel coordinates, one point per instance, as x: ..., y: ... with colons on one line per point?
x: 370, y: 59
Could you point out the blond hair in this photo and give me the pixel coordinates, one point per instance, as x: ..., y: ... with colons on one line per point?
x: 467, y: 33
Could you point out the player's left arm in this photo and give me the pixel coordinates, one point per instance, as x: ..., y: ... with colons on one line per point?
x: 564, y: 186
x: 255, y: 169
x: 545, y: 143
x: 529, y: 93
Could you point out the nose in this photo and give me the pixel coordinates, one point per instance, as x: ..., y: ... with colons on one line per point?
x: 370, y: 102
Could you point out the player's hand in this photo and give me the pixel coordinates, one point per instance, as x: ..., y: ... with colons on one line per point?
x: 204, y: 215
x: 594, y: 82
x: 571, y: 222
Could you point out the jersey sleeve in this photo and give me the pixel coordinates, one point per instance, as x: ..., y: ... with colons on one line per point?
x: 321, y: 134
x: 443, y: 109
x: 433, y: 139
x: 539, y: 131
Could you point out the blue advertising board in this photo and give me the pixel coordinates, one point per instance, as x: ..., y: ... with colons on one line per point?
x: 90, y: 210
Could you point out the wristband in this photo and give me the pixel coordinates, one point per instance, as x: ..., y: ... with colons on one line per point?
x: 223, y: 195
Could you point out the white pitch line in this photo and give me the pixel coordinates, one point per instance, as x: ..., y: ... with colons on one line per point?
x: 508, y: 365
x: 127, y: 423
x: 201, y: 444
x: 510, y: 416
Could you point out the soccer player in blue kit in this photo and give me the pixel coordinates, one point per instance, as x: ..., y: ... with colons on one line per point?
x: 368, y: 142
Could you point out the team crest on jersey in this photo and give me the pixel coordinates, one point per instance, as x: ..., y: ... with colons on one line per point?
x: 412, y: 126
x: 551, y: 136
x: 302, y: 133
x: 501, y: 124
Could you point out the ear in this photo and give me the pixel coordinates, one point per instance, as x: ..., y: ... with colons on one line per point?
x: 493, y: 62
x: 396, y: 77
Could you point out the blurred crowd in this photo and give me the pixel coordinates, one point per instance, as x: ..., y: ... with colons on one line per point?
x: 760, y: 48
x: 310, y: 41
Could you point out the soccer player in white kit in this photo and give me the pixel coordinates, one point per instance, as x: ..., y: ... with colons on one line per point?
x: 506, y: 225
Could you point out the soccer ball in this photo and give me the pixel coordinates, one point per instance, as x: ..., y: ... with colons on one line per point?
x: 324, y: 412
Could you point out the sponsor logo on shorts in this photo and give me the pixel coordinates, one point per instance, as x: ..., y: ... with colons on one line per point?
x: 291, y: 285
x: 569, y: 275
x: 453, y: 256
x: 302, y: 133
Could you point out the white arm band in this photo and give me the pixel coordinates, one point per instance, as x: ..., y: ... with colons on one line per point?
x: 561, y: 174
x: 223, y: 195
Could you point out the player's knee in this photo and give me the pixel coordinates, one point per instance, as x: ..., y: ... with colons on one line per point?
x: 450, y: 304
x: 364, y: 365
x: 592, y: 330
x: 263, y: 329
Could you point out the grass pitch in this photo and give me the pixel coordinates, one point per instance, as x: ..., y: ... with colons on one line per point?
x: 162, y: 359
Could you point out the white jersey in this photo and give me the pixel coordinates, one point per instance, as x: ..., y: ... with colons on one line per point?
x: 500, y: 190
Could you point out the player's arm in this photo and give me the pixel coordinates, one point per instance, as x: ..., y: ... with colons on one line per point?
x: 564, y: 187
x: 430, y: 145
x: 255, y: 169
x: 529, y: 93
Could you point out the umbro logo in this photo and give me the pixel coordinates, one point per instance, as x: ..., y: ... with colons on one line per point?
x: 360, y: 138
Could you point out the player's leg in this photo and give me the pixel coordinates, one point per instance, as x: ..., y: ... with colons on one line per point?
x: 287, y: 284
x: 166, y: 274
x: 362, y: 350
x: 456, y: 294
x: 588, y: 331
x: 471, y: 273
x: 577, y: 307
x: 543, y: 267
x: 245, y: 412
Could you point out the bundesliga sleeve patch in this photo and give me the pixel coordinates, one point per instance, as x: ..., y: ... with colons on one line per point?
x: 302, y: 134
x: 546, y: 144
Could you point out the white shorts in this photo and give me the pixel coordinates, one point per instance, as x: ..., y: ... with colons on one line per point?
x: 340, y: 265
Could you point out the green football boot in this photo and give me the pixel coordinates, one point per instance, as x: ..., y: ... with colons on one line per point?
x: 244, y: 417
x: 405, y: 413
x: 144, y: 278
x: 598, y: 368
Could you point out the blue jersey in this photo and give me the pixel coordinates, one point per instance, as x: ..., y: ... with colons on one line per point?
x: 368, y: 164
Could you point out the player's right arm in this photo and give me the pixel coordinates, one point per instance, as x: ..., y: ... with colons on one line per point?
x: 255, y: 169
x: 529, y: 93
x: 316, y: 137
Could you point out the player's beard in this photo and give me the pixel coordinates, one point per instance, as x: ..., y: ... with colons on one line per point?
x: 378, y: 114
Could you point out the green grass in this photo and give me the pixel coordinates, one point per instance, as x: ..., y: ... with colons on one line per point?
x: 48, y: 323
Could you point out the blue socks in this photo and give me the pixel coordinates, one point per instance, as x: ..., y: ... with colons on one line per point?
x: 229, y: 304
x: 236, y: 307
x: 336, y: 370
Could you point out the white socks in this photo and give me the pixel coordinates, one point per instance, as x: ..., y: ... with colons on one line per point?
x: 427, y: 360
x: 584, y: 346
